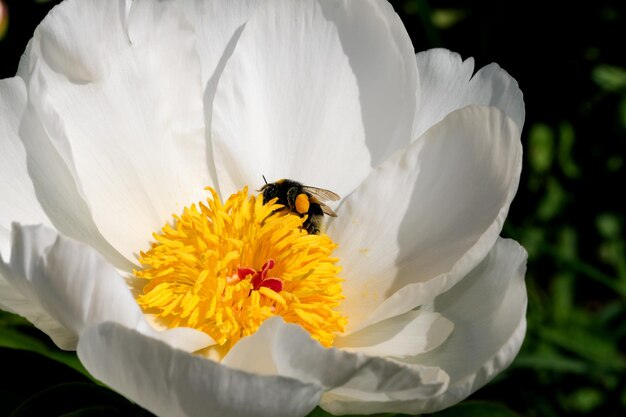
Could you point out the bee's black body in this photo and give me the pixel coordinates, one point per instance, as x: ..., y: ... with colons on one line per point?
x: 301, y: 200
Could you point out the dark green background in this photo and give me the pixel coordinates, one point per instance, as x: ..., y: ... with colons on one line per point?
x: 570, y: 62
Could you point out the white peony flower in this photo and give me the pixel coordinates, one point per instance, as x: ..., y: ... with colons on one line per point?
x: 122, y: 113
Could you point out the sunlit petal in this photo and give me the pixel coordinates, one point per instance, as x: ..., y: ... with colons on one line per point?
x: 404, y: 335
x: 488, y: 308
x: 437, y: 206
x: 18, y: 202
x: 130, y: 191
x: 171, y: 382
x: 288, y: 350
x: 76, y: 287
x: 448, y: 83
x: 277, y: 112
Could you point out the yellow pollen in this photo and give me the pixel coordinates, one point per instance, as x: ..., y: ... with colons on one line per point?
x: 225, y: 268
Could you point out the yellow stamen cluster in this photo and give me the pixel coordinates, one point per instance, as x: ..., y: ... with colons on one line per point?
x: 192, y: 270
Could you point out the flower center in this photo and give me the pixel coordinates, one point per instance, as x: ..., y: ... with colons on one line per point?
x: 225, y: 268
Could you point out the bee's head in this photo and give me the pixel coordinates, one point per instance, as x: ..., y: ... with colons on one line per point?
x: 269, y: 191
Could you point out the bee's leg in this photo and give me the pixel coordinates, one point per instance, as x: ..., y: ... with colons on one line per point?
x: 311, y: 229
x: 292, y: 193
x: 313, y: 224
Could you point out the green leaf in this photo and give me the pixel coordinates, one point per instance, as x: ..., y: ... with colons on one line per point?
x: 476, y: 409
x: 541, y: 147
x: 551, y: 362
x: 318, y: 412
x: 608, y: 225
x: 447, y: 18
x: 552, y: 203
x: 609, y: 77
x: 15, y: 339
x: 596, y: 349
x: 9, y: 319
x: 585, y: 400
x: 567, y: 138
x: 562, y: 291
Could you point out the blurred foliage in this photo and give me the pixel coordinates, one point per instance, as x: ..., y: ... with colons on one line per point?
x: 568, y: 213
x: 17, y: 333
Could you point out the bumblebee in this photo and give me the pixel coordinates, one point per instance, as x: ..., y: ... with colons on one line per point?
x: 301, y: 200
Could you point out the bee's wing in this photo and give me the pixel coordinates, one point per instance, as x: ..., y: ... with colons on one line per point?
x: 327, y: 210
x: 321, y: 194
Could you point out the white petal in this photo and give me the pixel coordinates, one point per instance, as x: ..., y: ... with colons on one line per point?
x: 5, y: 241
x: 278, y: 348
x: 76, y: 287
x: 67, y: 49
x: 488, y: 309
x: 18, y: 202
x: 288, y: 103
x: 405, y: 335
x: 218, y: 25
x: 445, y: 86
x: 137, y: 135
x: 78, y: 39
x: 171, y: 382
x: 493, y: 86
x: 51, y: 171
x: 12, y: 300
x: 57, y: 45
x: 427, y: 216
x: 382, y: 58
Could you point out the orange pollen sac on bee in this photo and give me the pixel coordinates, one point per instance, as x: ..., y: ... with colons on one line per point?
x: 302, y: 203
x: 224, y: 268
